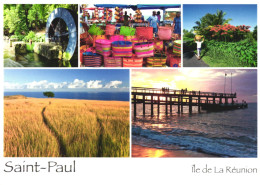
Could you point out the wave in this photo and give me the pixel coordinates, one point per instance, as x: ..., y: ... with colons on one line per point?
x: 240, y: 146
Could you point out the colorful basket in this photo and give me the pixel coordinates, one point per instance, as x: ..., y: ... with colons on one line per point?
x: 103, y: 47
x: 122, y: 49
x: 95, y: 30
x: 133, y: 62
x: 165, y: 33
x: 114, y: 38
x: 112, y: 62
x: 110, y: 29
x: 159, y: 60
x: 169, y: 43
x: 158, y: 45
x: 177, y: 48
x: 144, y: 49
x: 92, y: 59
x: 127, y: 31
x: 144, y: 32
x: 175, y: 61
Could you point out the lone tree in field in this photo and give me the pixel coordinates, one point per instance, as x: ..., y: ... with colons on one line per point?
x: 48, y: 94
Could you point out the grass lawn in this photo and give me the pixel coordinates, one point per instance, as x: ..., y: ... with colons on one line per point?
x: 215, y: 62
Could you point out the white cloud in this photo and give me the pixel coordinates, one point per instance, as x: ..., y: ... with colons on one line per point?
x: 76, y: 84
x: 94, y: 84
x: 113, y: 84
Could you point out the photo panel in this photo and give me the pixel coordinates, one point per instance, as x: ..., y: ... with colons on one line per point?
x: 130, y: 35
x: 220, y: 35
x: 40, y: 35
x: 194, y: 113
x: 66, y: 113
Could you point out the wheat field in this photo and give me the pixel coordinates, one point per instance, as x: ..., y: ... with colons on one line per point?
x: 35, y: 127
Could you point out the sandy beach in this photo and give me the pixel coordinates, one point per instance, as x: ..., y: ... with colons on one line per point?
x: 141, y: 151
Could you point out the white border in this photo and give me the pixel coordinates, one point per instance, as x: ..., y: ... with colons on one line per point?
x: 128, y: 170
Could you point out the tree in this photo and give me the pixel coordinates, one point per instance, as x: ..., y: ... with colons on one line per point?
x: 49, y: 94
x: 207, y: 21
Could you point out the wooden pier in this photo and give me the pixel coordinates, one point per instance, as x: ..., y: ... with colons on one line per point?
x: 169, y: 97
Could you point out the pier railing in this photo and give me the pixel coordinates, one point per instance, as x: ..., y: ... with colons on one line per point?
x: 179, y: 98
x: 183, y: 92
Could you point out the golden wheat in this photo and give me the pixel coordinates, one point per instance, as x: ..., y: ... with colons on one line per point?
x: 75, y: 128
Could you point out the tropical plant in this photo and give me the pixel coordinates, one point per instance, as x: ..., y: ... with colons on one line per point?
x: 207, y: 21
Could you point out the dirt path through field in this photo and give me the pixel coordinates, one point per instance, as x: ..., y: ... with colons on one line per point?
x: 190, y: 60
x: 100, y: 148
x: 62, y: 147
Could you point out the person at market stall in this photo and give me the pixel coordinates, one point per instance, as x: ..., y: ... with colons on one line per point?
x: 177, y: 25
x: 199, y: 43
x: 142, y: 18
x: 159, y: 16
x: 131, y: 17
x: 153, y: 22
x: 126, y: 19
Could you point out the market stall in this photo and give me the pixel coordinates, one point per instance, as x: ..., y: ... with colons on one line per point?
x: 114, y: 39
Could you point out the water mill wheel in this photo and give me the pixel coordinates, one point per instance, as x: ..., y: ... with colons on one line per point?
x: 61, y: 28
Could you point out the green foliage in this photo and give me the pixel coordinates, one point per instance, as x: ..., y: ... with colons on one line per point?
x: 30, y: 36
x: 66, y: 56
x: 188, y: 34
x: 255, y: 33
x: 244, y: 52
x: 40, y: 37
x: 19, y: 19
x: 13, y: 22
x: 34, y: 37
x: 189, y: 46
x: 49, y: 94
x: 18, y: 37
x: 29, y: 47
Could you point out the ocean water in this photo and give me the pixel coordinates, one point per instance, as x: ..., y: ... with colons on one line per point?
x: 222, y: 134
x: 117, y: 96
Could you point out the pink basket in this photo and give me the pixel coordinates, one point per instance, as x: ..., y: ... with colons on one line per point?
x: 110, y: 29
x: 114, y: 38
x: 103, y: 47
x: 165, y: 33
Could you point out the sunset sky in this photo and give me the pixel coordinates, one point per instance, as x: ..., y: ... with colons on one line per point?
x: 207, y: 80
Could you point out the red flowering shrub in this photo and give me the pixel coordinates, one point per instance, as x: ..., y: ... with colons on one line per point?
x: 227, y: 32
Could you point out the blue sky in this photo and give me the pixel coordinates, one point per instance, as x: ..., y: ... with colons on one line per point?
x: 95, y: 80
x: 240, y: 14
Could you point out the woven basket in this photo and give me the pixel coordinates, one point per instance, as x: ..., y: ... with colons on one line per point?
x: 92, y: 59
x: 112, y: 62
x: 133, y: 62
x: 122, y: 49
x: 159, y: 60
